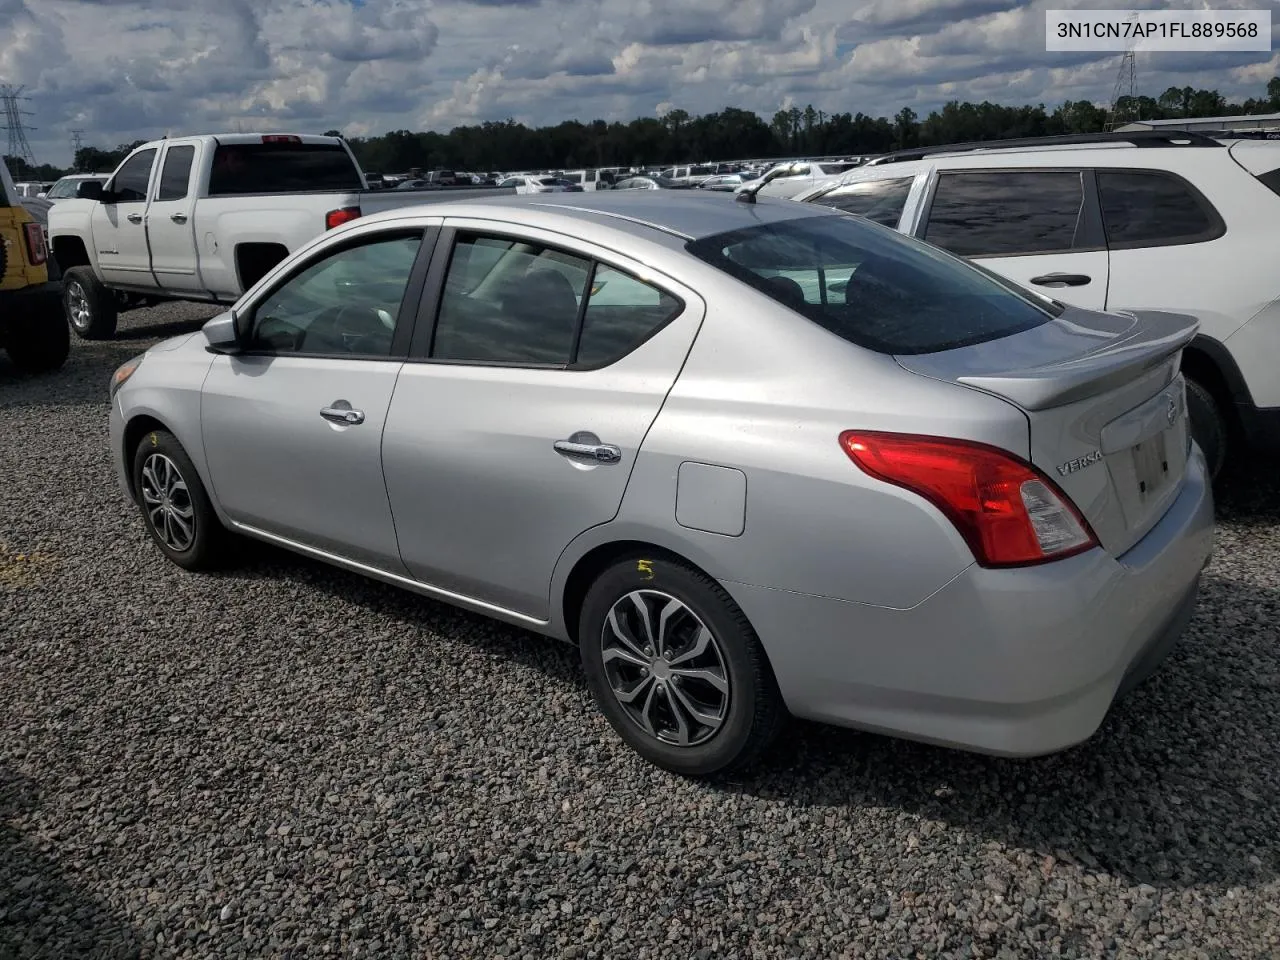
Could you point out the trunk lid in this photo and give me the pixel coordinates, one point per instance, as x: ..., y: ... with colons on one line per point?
x: 1105, y: 405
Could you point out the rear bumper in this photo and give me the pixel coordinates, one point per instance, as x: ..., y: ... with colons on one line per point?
x: 1009, y: 662
x: 28, y: 300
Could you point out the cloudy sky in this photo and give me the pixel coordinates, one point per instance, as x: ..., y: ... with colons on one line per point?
x: 124, y: 69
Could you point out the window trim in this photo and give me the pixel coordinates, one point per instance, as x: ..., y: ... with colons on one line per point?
x: 1088, y: 236
x: 1217, y: 226
x: 432, y: 299
x: 405, y: 319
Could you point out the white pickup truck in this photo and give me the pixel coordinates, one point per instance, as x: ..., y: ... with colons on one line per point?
x: 204, y: 218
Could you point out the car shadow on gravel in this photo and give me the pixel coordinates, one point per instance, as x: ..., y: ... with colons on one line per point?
x: 43, y: 913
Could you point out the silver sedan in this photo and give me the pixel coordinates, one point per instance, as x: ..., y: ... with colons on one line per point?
x: 755, y: 459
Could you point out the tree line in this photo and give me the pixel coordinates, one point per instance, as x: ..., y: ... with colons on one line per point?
x: 730, y: 134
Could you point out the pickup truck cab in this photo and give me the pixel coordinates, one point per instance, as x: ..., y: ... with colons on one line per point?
x: 202, y: 218
x: 32, y: 329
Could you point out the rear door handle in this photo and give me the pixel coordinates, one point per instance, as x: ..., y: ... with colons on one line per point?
x: 134, y: 218
x: 1061, y: 280
x: 341, y: 412
x: 178, y: 217
x: 590, y: 451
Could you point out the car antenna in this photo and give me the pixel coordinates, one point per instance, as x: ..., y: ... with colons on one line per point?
x: 748, y: 194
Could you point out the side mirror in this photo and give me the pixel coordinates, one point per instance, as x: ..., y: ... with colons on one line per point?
x: 90, y: 190
x: 224, y: 333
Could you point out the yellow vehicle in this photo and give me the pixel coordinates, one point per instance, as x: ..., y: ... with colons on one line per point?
x: 33, y: 327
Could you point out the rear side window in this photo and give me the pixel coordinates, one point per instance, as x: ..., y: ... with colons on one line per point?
x: 176, y: 173
x: 622, y: 313
x: 130, y: 184
x: 878, y: 200
x: 1154, y: 209
x: 1271, y: 180
x: 870, y: 286
x: 1005, y: 214
x: 247, y: 168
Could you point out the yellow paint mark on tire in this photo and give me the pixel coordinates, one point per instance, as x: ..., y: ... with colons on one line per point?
x: 645, y: 567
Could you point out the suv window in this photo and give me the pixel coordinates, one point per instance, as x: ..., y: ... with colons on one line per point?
x: 622, y: 313
x: 872, y: 287
x: 130, y: 184
x: 176, y: 173
x: 248, y: 168
x: 1006, y: 213
x: 878, y: 200
x: 346, y: 304
x: 509, y: 301
x: 1154, y: 209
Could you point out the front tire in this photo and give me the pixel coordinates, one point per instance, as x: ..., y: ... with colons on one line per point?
x: 175, y: 507
x: 676, y: 668
x: 1208, y: 426
x: 39, y: 340
x: 91, y: 308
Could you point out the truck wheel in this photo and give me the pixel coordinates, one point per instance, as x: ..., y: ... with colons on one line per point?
x: 38, y: 341
x: 91, y: 307
x: 1208, y: 427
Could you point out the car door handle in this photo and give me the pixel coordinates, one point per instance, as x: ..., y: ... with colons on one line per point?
x: 178, y: 217
x: 134, y: 218
x: 342, y: 415
x: 1062, y: 280
x: 592, y: 452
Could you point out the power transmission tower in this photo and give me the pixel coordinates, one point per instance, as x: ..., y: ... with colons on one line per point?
x: 77, y: 140
x: 13, y: 114
x: 1126, y: 88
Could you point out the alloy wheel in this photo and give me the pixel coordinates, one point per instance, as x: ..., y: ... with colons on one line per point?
x: 78, y: 306
x: 167, y: 502
x: 666, y: 668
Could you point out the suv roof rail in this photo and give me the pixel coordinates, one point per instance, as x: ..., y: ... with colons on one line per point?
x: 1138, y: 138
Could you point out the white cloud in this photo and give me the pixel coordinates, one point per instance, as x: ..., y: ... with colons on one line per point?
x: 124, y: 69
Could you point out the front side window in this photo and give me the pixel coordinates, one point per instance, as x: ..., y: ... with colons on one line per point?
x: 878, y: 200
x: 1003, y: 214
x: 346, y: 304
x: 176, y: 173
x: 1151, y: 209
x: 870, y: 286
x: 131, y: 182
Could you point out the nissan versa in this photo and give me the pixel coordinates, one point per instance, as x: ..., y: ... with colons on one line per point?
x: 755, y: 459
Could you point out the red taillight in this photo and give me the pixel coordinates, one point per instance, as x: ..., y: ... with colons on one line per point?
x: 281, y: 138
x: 1009, y: 513
x: 336, y: 218
x: 37, y: 246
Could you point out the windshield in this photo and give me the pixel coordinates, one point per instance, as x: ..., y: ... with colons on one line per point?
x: 870, y: 285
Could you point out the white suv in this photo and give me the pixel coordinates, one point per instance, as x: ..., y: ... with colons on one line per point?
x: 1178, y: 222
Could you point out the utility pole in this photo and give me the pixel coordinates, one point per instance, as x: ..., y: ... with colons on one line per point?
x: 13, y: 113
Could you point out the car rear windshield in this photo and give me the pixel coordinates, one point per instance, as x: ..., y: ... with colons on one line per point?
x: 871, y: 285
x: 244, y: 168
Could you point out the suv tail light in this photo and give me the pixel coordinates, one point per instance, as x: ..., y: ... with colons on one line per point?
x: 37, y: 245
x: 336, y: 218
x: 1009, y: 513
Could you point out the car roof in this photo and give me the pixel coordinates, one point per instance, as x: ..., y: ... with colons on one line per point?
x: 690, y: 214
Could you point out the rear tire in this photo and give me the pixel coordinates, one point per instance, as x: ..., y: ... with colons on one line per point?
x: 1208, y: 426
x: 91, y: 308
x: 713, y: 689
x: 38, y: 341
x: 175, y: 507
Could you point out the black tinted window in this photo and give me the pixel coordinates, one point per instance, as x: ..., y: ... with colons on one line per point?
x: 622, y: 312
x: 176, y: 173
x: 131, y: 182
x: 1148, y: 209
x: 878, y: 200
x: 281, y: 168
x: 1007, y: 213
x: 347, y: 304
x: 874, y: 288
x: 509, y: 301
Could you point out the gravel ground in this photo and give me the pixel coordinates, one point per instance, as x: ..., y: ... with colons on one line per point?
x: 287, y: 761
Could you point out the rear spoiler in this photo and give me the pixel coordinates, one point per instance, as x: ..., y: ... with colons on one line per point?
x: 1154, y: 340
